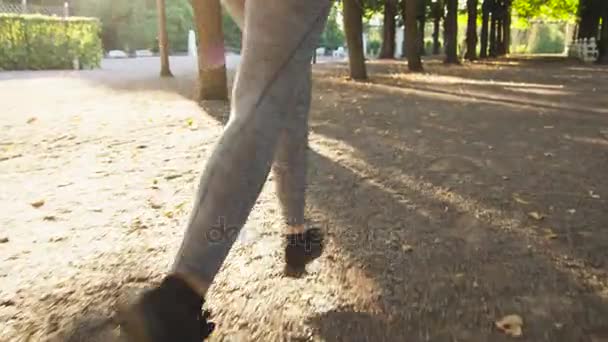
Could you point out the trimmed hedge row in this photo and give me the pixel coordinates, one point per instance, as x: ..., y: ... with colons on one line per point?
x: 40, y: 42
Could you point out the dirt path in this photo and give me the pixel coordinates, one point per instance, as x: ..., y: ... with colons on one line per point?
x: 451, y: 198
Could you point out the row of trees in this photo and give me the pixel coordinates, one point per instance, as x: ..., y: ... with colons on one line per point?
x: 492, y: 39
x: 495, y: 29
x: 494, y: 17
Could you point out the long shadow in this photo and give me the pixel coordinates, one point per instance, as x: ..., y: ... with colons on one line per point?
x: 505, y: 158
x: 455, y: 277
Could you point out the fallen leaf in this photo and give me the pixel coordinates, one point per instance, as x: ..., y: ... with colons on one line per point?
x: 535, y: 215
x: 593, y: 195
x: 57, y: 239
x: 548, y: 127
x: 511, y: 325
x: 3, y: 240
x: 571, y: 211
x: 137, y: 224
x: 558, y: 325
x: 170, y: 177
x: 31, y: 120
x: 519, y: 199
x: 505, y: 178
x: 180, y: 206
x: 550, y: 234
x: 37, y: 204
x: 168, y: 214
x: 407, y: 248
x: 49, y: 218
x: 548, y: 154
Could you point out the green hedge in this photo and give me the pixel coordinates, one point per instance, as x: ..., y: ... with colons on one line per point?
x: 43, y: 42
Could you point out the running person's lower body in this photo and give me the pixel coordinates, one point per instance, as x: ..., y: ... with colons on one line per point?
x: 268, y: 129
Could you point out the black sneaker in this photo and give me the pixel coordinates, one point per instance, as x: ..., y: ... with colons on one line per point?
x: 170, y: 312
x: 302, y: 249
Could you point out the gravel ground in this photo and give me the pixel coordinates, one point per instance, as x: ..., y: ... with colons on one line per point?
x: 451, y: 199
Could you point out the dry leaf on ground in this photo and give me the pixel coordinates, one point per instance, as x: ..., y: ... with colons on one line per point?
x: 519, y: 200
x: 511, y: 325
x: 407, y: 248
x: 535, y: 215
x: 37, y: 204
x: 550, y: 234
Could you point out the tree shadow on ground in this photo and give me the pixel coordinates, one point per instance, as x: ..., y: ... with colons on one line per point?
x: 427, y: 274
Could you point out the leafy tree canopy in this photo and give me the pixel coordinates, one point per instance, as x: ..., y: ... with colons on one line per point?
x: 550, y: 9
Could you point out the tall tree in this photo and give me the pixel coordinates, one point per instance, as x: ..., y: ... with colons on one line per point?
x: 451, y: 32
x: 353, y: 27
x: 603, y: 43
x: 414, y: 62
x: 388, y: 30
x: 589, y: 12
x: 402, y: 8
x: 506, y: 40
x: 471, y: 30
x: 211, y: 52
x: 437, y: 13
x: 421, y: 26
x: 163, y: 40
x: 493, y: 28
x: 499, y: 26
x: 485, y: 22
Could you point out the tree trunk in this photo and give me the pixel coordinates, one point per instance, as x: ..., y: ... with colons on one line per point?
x: 603, y: 45
x: 472, y: 30
x: 493, y: 27
x: 507, y: 28
x: 353, y: 27
x: 403, y: 41
x: 589, y: 19
x: 499, y: 36
x: 436, y: 28
x: 451, y: 32
x: 388, y: 30
x: 485, y: 18
x: 437, y: 12
x: 163, y: 40
x: 211, y: 54
x: 421, y: 45
x: 411, y: 36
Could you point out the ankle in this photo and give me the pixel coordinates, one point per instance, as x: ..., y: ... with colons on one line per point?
x: 187, y: 283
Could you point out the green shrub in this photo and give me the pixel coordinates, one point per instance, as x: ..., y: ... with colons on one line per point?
x: 43, y: 42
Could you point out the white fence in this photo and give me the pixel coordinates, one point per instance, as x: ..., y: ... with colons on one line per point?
x: 584, y: 49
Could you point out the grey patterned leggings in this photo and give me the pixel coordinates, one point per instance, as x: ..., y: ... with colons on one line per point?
x: 268, y: 126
